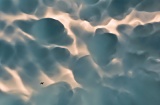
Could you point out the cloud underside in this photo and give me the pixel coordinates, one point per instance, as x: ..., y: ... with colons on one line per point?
x: 110, y: 66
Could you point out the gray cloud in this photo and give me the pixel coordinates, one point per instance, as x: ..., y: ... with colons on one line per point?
x: 28, y: 6
x: 104, y: 54
x: 8, y: 7
x: 4, y: 74
x: 50, y: 31
x: 85, y: 72
x: 7, y: 51
x: 24, y: 25
x: 2, y: 25
x: 56, y: 94
x: 115, y: 69
x: 10, y: 99
x: 148, y: 6
x: 145, y: 38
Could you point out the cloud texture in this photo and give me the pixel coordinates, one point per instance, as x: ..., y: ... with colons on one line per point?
x: 87, y: 52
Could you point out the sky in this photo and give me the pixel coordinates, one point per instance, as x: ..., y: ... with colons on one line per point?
x: 87, y: 52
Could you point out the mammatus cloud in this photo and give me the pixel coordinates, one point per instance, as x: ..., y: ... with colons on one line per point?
x: 87, y: 52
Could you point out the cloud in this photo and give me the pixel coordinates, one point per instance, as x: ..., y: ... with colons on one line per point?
x: 28, y: 6
x: 148, y: 6
x: 4, y: 74
x: 2, y: 25
x: 55, y: 94
x: 61, y: 55
x: 119, y: 9
x: 24, y: 25
x: 145, y: 38
x: 8, y: 7
x: 9, y: 30
x: 90, y: 13
x: 102, y: 55
x: 50, y: 31
x: 7, y: 51
x: 87, y: 52
x: 42, y: 56
x: 49, y: 2
x: 85, y: 72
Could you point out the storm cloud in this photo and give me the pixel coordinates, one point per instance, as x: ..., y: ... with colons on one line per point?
x: 85, y: 52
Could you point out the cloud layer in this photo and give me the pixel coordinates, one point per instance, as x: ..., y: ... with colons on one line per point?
x: 87, y: 52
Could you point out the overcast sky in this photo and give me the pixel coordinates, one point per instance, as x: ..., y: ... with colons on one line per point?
x: 87, y: 52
